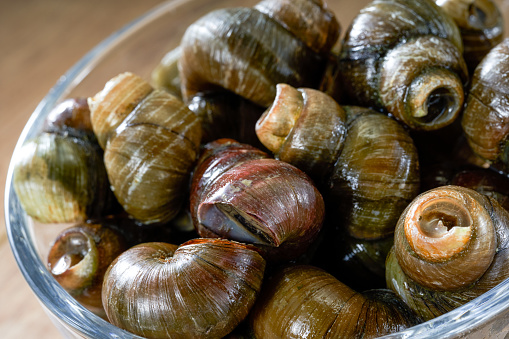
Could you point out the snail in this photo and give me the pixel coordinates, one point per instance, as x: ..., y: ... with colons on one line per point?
x: 484, y: 120
x: 249, y: 50
x: 201, y: 289
x: 306, y: 302
x: 481, y: 26
x: 239, y: 193
x: 150, y: 140
x: 450, y: 246
x: 79, y: 257
x: 365, y: 162
x: 404, y: 57
x: 59, y: 175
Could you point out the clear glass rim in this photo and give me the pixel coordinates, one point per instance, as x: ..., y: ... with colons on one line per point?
x: 459, y: 321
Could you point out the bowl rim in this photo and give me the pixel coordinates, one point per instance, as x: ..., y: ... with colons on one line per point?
x: 55, y: 299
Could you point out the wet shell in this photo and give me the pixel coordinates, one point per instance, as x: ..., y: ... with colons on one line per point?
x: 79, y: 257
x: 244, y: 196
x: 450, y: 247
x: 248, y: 51
x: 202, y: 289
x: 307, y: 302
x: 481, y: 26
x: 151, y: 142
x: 404, y: 57
x: 59, y: 175
x: 485, y: 119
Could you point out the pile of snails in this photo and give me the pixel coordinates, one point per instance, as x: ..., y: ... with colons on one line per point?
x: 274, y: 181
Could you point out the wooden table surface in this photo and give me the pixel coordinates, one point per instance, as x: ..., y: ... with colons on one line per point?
x: 40, y: 41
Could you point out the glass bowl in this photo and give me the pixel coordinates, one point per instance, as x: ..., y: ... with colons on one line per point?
x: 139, y: 47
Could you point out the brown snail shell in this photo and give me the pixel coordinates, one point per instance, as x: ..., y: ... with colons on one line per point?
x: 240, y: 194
x: 485, y: 120
x: 151, y: 141
x: 202, y: 289
x: 248, y: 52
x: 404, y: 57
x: 307, y: 302
x: 481, y: 26
x: 376, y: 175
x: 304, y: 127
x: 79, y: 257
x: 59, y: 175
x: 365, y: 161
x: 450, y: 246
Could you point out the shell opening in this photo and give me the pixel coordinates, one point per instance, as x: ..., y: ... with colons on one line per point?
x: 476, y: 16
x: 435, y: 98
x: 440, y: 103
x: 75, y: 248
x: 277, y: 122
x: 442, y: 228
x: 73, y: 260
x: 230, y: 223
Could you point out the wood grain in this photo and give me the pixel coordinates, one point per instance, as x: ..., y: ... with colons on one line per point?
x: 40, y: 41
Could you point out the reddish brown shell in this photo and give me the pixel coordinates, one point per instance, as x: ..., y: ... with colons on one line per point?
x: 239, y: 194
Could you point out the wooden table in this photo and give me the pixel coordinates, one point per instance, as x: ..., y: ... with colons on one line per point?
x: 40, y: 41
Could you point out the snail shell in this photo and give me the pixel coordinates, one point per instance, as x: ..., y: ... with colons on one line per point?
x: 450, y: 246
x: 481, y: 26
x: 59, y: 175
x: 307, y: 302
x: 376, y: 175
x: 404, y: 57
x: 485, y: 119
x: 248, y: 52
x: 151, y: 141
x: 304, y: 127
x: 365, y: 161
x: 202, y: 289
x: 79, y: 257
x: 240, y: 194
